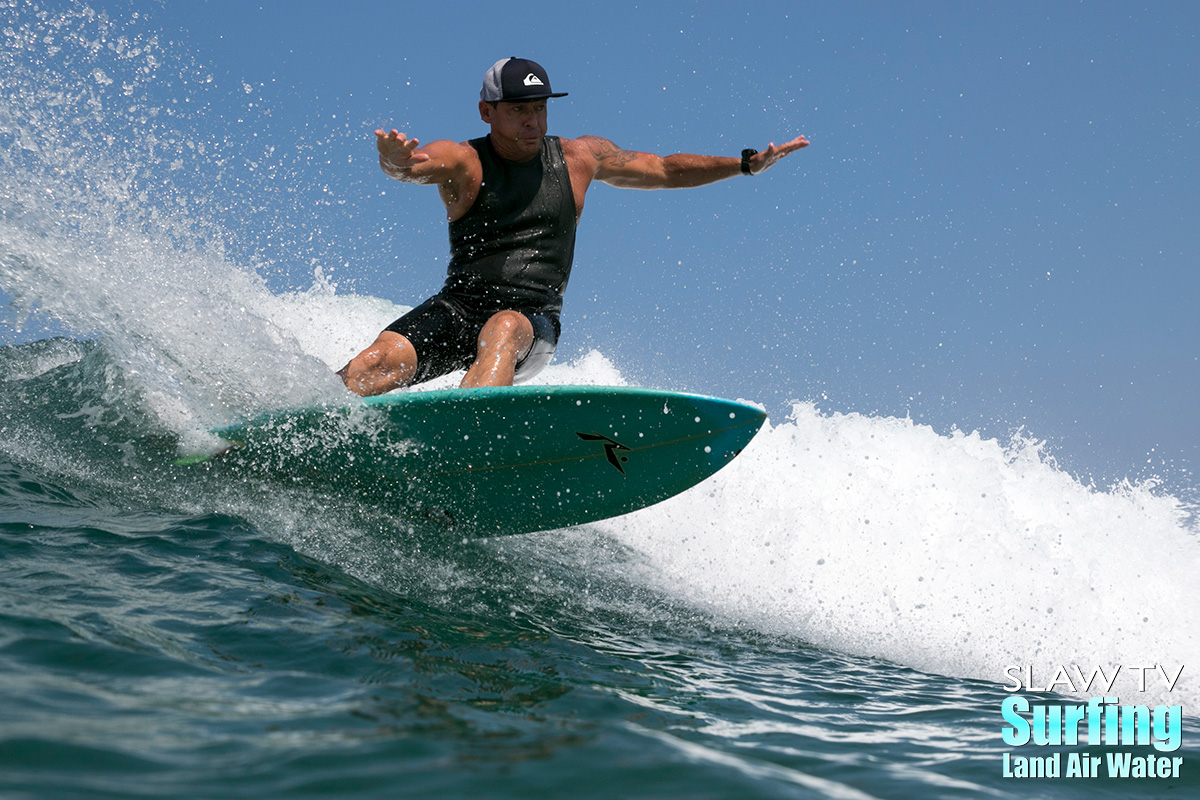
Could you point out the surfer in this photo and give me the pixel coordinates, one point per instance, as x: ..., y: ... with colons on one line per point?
x: 513, y: 199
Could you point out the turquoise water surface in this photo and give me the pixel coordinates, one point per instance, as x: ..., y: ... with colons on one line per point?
x: 165, y: 632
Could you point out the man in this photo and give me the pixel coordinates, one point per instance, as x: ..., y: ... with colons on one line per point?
x: 512, y: 199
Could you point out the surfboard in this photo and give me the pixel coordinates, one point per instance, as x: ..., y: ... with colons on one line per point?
x: 504, y: 460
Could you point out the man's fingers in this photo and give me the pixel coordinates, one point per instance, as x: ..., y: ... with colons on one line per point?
x: 786, y: 148
x: 796, y: 144
x: 392, y: 136
x: 397, y: 150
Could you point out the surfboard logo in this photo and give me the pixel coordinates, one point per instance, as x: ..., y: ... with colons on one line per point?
x: 611, y: 448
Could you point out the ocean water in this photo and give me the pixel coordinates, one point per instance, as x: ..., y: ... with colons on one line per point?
x: 833, y: 615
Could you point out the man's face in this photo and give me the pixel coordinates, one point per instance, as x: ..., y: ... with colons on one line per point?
x: 517, y: 128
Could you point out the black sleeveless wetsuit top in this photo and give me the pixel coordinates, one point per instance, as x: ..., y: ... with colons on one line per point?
x: 513, y: 249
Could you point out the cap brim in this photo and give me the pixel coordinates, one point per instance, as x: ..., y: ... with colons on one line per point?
x: 532, y: 97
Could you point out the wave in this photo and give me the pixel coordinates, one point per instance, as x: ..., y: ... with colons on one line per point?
x: 869, y: 535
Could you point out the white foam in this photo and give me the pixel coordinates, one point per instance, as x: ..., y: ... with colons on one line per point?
x: 952, y: 554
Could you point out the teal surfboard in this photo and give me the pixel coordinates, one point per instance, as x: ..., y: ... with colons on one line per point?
x: 501, y: 460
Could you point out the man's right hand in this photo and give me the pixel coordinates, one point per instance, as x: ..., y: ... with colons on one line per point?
x: 398, y: 151
x: 451, y: 166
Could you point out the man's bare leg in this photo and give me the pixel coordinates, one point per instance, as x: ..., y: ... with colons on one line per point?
x: 389, y: 363
x: 504, y: 340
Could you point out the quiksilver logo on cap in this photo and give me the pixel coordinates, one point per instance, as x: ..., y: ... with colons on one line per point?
x: 533, y: 80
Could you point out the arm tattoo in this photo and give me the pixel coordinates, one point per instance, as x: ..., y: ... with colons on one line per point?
x: 604, y: 150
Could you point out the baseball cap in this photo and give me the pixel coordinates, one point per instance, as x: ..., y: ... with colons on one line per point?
x: 514, y: 79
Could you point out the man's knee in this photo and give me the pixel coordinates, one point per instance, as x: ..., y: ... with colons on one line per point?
x: 390, y: 362
x: 511, y: 326
x: 384, y: 352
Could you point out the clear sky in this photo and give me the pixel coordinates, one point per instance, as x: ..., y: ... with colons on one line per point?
x: 996, y: 226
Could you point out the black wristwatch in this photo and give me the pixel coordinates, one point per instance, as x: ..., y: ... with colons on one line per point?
x: 746, y: 154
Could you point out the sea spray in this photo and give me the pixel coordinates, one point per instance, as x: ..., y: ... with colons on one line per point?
x: 105, y: 228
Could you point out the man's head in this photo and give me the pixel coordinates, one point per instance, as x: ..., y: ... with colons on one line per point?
x: 512, y: 80
x: 513, y: 102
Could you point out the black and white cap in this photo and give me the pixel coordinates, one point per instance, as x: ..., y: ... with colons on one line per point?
x: 511, y: 80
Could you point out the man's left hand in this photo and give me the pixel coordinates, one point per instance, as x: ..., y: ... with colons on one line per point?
x: 761, y: 160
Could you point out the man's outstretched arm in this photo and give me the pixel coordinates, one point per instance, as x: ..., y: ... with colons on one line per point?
x: 635, y: 170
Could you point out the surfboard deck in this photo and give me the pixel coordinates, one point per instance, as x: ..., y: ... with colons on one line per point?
x: 502, y: 460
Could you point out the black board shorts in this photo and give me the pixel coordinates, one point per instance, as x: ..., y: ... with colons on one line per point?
x: 445, y: 333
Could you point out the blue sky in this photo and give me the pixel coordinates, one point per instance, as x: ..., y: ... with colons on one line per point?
x: 996, y: 226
